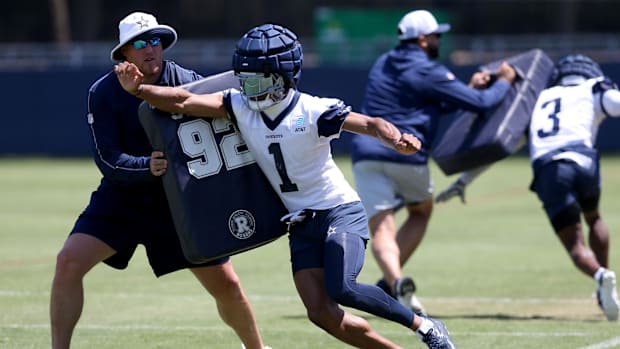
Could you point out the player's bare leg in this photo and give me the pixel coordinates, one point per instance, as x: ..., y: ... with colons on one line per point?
x: 598, y: 237
x: 573, y: 241
x: 326, y: 314
x: 234, y: 308
x: 591, y: 263
x: 80, y: 253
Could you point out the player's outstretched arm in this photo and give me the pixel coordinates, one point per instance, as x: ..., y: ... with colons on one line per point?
x: 170, y: 99
x: 383, y: 130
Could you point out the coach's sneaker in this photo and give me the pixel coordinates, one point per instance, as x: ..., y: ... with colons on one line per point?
x: 404, y: 290
x: 608, y: 295
x: 435, y: 334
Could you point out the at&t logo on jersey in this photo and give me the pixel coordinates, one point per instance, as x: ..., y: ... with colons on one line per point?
x: 299, y: 124
x: 241, y: 224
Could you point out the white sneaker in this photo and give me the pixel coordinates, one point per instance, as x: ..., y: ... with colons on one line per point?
x: 404, y: 289
x: 607, y: 295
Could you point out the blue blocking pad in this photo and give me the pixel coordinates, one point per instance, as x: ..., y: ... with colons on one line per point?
x: 466, y: 140
x: 221, y: 202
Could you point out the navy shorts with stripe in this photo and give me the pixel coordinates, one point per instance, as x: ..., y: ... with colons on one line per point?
x: 307, y: 239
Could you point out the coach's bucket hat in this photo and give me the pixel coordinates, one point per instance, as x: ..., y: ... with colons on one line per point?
x: 137, y: 24
x: 420, y: 22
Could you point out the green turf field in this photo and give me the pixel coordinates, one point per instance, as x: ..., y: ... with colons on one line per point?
x: 491, y: 269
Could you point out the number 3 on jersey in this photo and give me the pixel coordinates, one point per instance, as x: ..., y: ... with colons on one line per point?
x: 555, y: 128
x: 197, y: 139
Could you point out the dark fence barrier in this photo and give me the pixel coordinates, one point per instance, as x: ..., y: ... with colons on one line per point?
x: 45, y: 112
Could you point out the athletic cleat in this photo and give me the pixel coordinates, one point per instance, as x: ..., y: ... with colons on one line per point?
x: 437, y: 337
x: 607, y: 295
x: 404, y: 290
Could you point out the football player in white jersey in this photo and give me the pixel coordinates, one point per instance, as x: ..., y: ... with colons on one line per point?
x: 289, y: 134
x: 565, y: 162
x: 567, y: 180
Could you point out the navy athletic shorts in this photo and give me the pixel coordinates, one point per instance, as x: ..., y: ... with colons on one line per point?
x: 560, y: 184
x: 123, y: 219
x: 307, y: 239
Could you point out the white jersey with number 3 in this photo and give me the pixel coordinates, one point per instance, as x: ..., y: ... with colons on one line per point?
x: 565, y: 115
x: 291, y: 144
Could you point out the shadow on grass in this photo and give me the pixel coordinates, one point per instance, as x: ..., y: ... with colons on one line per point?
x: 510, y: 317
x: 494, y: 317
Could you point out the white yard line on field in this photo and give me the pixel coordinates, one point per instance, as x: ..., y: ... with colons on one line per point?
x: 611, y: 343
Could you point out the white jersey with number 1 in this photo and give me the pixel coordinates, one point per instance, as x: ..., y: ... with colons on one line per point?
x: 291, y: 143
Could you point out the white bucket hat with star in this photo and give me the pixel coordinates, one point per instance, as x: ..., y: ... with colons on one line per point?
x: 140, y: 23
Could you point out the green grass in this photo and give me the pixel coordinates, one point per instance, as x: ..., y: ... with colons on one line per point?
x: 491, y: 269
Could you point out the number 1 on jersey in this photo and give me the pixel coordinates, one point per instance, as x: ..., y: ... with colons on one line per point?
x: 287, y: 185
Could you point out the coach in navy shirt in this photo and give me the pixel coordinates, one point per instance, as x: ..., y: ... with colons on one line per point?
x: 129, y: 207
x: 408, y: 87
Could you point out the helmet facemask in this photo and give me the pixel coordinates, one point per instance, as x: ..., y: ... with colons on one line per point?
x: 261, y: 91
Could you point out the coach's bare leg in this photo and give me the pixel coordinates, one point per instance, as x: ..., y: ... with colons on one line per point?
x: 412, y: 231
x: 383, y: 245
x: 232, y: 304
x: 80, y: 254
x: 391, y: 247
x: 326, y: 314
